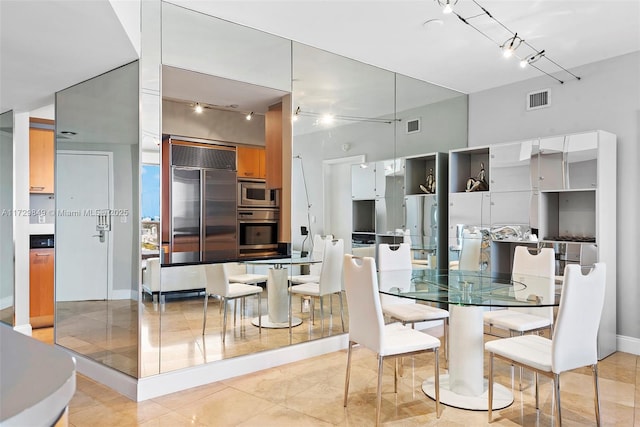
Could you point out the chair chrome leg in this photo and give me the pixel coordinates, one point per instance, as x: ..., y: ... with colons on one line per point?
x: 321, y: 314
x: 437, y: 380
x: 260, y: 313
x: 341, y: 311
x: 535, y: 380
x: 224, y: 320
x: 445, y: 323
x: 395, y: 375
x: 346, y: 379
x: 596, y: 400
x: 556, y: 385
x: 490, y: 406
x: 379, y: 392
x: 204, y: 321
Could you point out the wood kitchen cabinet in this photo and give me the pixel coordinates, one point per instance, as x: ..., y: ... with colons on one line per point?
x: 251, y: 162
x: 41, y: 160
x: 41, y: 299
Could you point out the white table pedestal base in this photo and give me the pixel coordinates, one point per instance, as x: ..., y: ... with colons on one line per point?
x: 266, y: 323
x: 502, y: 396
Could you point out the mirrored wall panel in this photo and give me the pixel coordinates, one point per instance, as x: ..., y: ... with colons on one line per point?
x: 97, y: 255
x: 6, y: 218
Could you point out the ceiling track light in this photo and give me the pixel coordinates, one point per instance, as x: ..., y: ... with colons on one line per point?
x: 198, y: 108
x: 511, y: 44
x: 328, y: 118
x: 447, y: 5
x: 249, y: 116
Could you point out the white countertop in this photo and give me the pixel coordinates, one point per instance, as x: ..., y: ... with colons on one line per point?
x: 37, y: 381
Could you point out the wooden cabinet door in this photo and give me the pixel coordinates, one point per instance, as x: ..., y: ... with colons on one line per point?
x: 41, y: 157
x: 251, y: 162
x: 41, y: 263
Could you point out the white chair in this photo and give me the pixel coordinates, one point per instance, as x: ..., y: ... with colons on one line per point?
x: 395, y: 266
x: 317, y: 254
x: 470, y: 252
x: 574, y: 342
x: 237, y: 273
x: 367, y: 328
x: 218, y: 285
x: 537, y: 273
x: 330, y: 281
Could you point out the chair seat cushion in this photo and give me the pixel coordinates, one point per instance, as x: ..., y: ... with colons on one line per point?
x: 410, y: 313
x: 530, y: 350
x: 398, y: 339
x: 519, y: 322
x: 247, y: 278
x: 304, y: 278
x: 312, y: 289
x: 240, y: 289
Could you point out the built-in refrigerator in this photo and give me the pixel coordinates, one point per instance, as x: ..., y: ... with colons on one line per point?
x: 203, y: 204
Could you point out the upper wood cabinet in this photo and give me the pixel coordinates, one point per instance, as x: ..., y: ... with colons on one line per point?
x: 41, y: 159
x: 274, y: 146
x: 251, y: 162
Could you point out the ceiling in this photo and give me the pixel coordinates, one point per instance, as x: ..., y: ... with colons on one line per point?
x: 49, y: 45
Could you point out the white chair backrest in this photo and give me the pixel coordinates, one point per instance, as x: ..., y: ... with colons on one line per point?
x: 217, y: 279
x: 235, y: 268
x: 182, y: 277
x: 537, y: 272
x: 152, y: 274
x: 470, y: 252
x: 575, y: 335
x: 331, y: 272
x: 317, y: 253
x: 394, y: 257
x: 366, y: 321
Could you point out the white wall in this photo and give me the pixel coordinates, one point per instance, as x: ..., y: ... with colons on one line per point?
x: 608, y: 98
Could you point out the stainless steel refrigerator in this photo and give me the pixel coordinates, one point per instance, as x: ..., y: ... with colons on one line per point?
x: 203, y: 210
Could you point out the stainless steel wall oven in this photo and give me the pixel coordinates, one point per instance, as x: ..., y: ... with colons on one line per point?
x: 257, y: 232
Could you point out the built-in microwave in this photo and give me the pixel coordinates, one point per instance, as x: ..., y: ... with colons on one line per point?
x: 254, y: 194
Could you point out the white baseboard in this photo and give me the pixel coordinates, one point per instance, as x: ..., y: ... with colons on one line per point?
x: 124, y: 294
x: 6, y: 302
x: 628, y: 344
x: 170, y: 382
x: 122, y: 383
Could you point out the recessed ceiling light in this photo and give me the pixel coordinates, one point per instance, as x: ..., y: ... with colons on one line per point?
x: 68, y: 133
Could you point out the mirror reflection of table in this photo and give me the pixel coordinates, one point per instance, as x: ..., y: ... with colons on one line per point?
x: 278, y: 300
x: 467, y: 294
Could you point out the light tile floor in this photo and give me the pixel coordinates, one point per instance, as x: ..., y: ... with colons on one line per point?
x: 310, y: 393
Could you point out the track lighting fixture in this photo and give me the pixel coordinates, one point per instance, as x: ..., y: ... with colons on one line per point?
x: 198, y: 108
x: 511, y: 44
x: 328, y: 118
x: 447, y: 5
x: 249, y: 116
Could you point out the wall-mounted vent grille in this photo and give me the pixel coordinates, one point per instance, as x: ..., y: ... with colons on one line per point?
x: 201, y: 157
x: 539, y: 99
x: 413, y: 125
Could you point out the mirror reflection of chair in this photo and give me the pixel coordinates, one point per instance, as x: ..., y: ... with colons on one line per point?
x: 367, y: 328
x: 470, y: 251
x: 237, y: 273
x: 330, y: 280
x: 395, y: 267
x: 217, y: 284
x: 574, y: 342
x: 317, y: 254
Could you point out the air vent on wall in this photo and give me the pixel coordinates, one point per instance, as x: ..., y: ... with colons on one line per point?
x: 539, y: 99
x: 413, y: 125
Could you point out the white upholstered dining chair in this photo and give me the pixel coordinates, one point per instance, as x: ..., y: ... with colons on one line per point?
x: 218, y: 285
x: 237, y: 273
x: 532, y: 274
x: 329, y: 282
x: 367, y: 327
x: 574, y: 342
x: 395, y: 267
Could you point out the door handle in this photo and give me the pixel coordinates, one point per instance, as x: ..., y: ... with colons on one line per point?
x: 100, y: 236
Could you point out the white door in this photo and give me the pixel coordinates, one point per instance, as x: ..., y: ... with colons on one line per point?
x: 338, y: 198
x: 83, y: 188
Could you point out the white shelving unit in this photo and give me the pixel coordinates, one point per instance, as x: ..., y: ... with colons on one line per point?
x: 562, y: 188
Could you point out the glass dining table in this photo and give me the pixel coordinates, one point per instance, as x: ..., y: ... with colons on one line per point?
x: 278, y: 301
x: 467, y: 295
